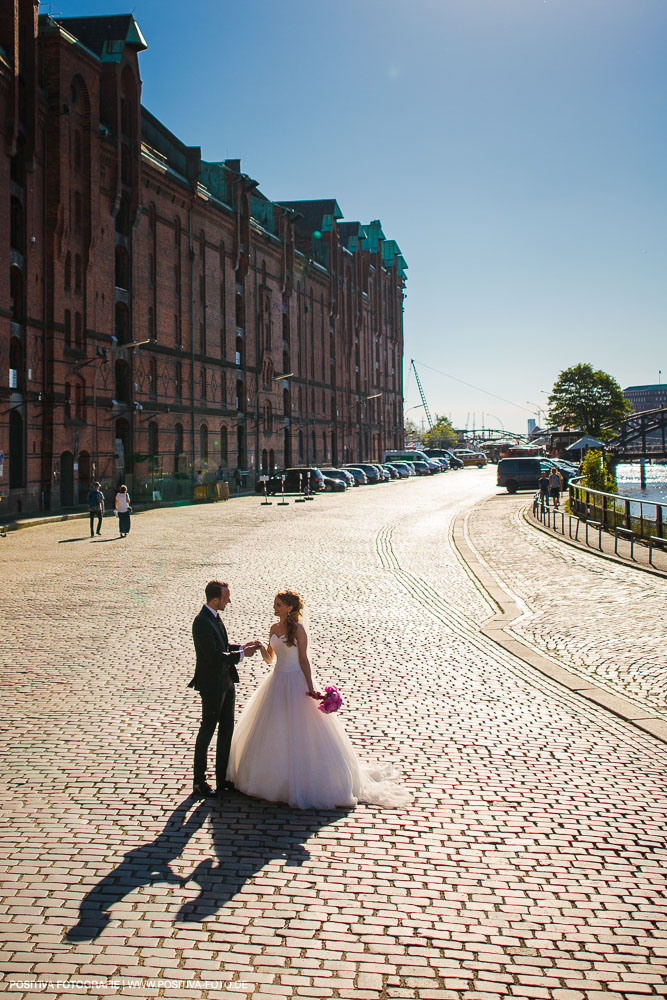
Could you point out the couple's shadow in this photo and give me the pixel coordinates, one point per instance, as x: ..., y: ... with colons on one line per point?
x: 247, y: 835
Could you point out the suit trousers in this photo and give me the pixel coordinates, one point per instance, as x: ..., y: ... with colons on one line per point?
x: 217, y: 709
x: 95, y: 514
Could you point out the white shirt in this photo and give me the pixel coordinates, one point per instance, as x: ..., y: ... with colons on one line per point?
x: 215, y: 615
x: 122, y: 502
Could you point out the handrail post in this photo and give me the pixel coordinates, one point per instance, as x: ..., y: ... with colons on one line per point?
x: 628, y: 525
x: 658, y: 520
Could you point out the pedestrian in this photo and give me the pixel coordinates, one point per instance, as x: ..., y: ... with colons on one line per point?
x: 555, y: 486
x: 544, y: 488
x: 215, y: 676
x: 220, y: 474
x: 237, y: 479
x: 198, y: 478
x: 95, y: 507
x: 123, y: 509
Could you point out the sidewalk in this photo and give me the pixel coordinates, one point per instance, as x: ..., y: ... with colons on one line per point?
x: 603, y: 543
x: 597, y: 625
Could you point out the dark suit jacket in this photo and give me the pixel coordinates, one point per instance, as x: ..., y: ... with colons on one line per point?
x: 216, y: 656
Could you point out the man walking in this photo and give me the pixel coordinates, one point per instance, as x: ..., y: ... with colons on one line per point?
x: 95, y: 507
x: 555, y: 486
x: 215, y: 676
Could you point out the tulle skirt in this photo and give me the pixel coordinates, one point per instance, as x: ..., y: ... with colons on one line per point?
x: 285, y: 750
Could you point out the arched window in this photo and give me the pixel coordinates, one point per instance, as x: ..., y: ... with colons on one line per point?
x: 123, y: 217
x: 178, y: 438
x: 324, y: 446
x: 268, y: 416
x: 122, y: 268
x: 203, y: 444
x: 272, y: 460
x: 122, y: 328
x: 240, y: 401
x: 300, y: 447
x: 314, y: 443
x: 153, y: 450
x: 265, y: 460
x: 122, y: 382
x: 78, y: 332
x: 286, y: 403
x: 68, y: 328
x: 224, y: 447
x: 267, y: 373
x: 16, y: 227
x: 125, y: 165
x: 203, y: 383
x: 16, y: 295
x: 77, y: 272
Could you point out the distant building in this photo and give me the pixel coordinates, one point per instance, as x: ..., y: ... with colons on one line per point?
x: 532, y: 424
x: 646, y: 397
x: 158, y: 313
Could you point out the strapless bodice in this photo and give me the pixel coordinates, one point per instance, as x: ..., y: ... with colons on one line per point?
x: 287, y: 657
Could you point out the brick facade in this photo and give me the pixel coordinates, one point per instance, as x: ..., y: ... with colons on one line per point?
x: 153, y: 301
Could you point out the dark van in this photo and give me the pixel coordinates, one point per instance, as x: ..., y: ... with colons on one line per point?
x: 521, y: 473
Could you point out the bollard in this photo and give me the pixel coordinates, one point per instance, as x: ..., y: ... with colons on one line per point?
x: 302, y: 498
x: 266, y: 501
x: 283, y: 502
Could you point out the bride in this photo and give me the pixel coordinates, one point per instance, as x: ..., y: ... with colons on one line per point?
x: 284, y: 749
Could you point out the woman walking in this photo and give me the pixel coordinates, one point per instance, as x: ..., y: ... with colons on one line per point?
x: 123, y: 509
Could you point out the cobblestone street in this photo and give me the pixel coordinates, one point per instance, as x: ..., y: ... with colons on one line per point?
x: 530, y: 863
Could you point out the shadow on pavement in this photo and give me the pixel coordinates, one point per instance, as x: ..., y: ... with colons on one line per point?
x: 65, y: 541
x: 247, y: 834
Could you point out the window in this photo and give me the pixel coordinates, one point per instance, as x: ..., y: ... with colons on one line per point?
x: 223, y: 445
x: 203, y: 444
x: 268, y: 416
x: 203, y: 383
x: 78, y: 332
x: 153, y: 450
x: 77, y: 273
x: 68, y: 328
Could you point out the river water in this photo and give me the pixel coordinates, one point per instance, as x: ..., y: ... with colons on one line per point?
x: 627, y: 477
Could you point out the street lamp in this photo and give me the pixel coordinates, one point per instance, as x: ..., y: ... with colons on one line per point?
x: 538, y: 409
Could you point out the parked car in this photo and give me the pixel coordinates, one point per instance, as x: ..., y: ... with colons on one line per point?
x: 401, y: 468
x: 423, y: 469
x: 454, y: 462
x: 410, y: 466
x: 295, y: 480
x: 343, y: 474
x: 441, y: 464
x: 469, y: 457
x: 360, y: 477
x: 391, y: 471
x: 333, y: 484
x: 372, y: 474
x: 524, y: 473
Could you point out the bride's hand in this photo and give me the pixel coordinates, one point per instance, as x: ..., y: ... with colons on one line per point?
x: 315, y: 694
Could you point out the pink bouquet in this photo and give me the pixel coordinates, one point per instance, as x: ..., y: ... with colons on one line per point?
x: 331, y: 700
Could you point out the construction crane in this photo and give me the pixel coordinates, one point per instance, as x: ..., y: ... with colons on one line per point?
x: 421, y: 393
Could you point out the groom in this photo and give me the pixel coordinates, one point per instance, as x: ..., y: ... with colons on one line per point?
x: 215, y: 676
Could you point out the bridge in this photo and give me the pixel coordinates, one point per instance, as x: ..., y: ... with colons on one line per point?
x: 642, y: 435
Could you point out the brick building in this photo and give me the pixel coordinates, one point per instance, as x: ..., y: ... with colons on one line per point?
x: 159, y: 314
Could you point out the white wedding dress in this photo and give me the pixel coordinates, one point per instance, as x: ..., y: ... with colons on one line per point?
x: 285, y: 750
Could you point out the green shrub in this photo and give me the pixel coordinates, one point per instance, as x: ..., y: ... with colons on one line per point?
x: 596, y: 474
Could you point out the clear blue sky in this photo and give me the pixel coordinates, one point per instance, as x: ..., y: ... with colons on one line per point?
x: 515, y: 149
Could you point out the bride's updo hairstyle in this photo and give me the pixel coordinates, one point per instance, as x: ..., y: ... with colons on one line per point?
x: 295, y: 604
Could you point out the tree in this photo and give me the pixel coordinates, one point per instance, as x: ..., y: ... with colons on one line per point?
x: 411, y: 431
x: 441, y: 435
x: 586, y: 399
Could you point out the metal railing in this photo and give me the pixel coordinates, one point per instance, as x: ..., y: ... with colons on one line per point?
x: 644, y: 518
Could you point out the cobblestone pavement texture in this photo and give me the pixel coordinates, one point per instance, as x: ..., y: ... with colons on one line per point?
x: 530, y: 863
x: 604, y: 621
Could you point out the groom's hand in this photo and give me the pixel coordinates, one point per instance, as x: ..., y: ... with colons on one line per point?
x: 250, y: 648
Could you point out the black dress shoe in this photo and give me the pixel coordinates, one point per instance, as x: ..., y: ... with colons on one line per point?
x: 202, y: 790
x: 228, y: 786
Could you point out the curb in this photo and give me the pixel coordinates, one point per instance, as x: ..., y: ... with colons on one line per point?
x: 494, y: 629
x: 582, y: 547
x: 37, y: 522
